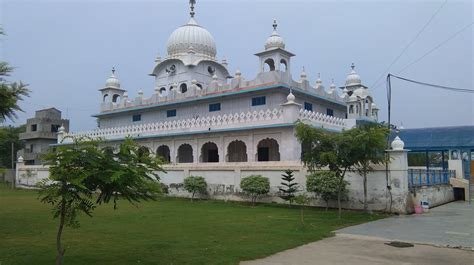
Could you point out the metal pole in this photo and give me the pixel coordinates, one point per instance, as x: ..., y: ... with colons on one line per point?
x: 13, y: 165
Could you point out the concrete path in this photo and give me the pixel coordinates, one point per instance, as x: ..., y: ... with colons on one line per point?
x: 449, y: 225
x: 356, y: 250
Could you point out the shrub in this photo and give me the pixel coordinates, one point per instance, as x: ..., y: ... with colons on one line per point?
x: 254, y: 186
x: 289, y: 188
x: 164, y: 188
x: 195, y: 184
x: 325, y: 184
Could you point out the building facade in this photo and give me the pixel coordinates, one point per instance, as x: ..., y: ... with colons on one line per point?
x: 41, y: 132
x: 200, y: 113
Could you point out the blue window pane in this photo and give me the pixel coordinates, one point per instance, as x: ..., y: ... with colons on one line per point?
x: 257, y: 101
x: 330, y: 112
x: 308, y: 106
x: 137, y: 117
x: 171, y: 113
x: 214, y: 107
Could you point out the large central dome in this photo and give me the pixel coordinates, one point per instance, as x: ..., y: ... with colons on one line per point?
x: 191, y: 38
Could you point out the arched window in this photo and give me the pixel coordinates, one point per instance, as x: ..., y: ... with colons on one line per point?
x: 106, y: 96
x: 199, y: 86
x: 163, y: 91
x: 171, y: 88
x: 183, y: 88
x: 269, y: 65
x: 209, y: 153
x: 237, y: 152
x: 116, y: 98
x: 164, y: 153
x: 283, y: 65
x: 268, y: 150
x: 351, y: 109
x: 143, y: 152
x: 185, y: 153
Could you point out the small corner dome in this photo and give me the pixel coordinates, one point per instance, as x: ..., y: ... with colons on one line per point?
x: 353, y: 79
x: 361, y: 92
x: 112, y: 81
x: 397, y: 144
x: 191, y: 35
x: 374, y: 106
x: 275, y: 40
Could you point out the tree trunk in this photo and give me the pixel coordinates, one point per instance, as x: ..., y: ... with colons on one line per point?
x: 339, y: 202
x: 192, y: 196
x: 302, y: 215
x: 327, y: 205
x: 60, y: 250
x: 366, y: 205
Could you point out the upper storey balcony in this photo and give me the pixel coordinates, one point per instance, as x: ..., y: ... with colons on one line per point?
x: 237, y: 83
x: 287, y: 115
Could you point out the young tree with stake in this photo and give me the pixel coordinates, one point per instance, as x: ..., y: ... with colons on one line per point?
x: 83, y: 168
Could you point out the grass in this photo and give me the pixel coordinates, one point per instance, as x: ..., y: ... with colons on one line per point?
x: 168, y: 231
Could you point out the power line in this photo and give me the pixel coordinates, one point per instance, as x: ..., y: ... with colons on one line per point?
x: 435, y: 48
x: 409, y: 44
x: 454, y: 89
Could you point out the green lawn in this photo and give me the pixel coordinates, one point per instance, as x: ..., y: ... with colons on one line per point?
x: 168, y: 231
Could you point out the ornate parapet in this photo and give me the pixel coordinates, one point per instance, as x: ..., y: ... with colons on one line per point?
x: 206, y: 123
x: 322, y: 120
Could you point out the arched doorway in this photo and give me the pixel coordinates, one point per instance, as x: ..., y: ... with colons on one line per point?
x: 237, y: 152
x: 268, y: 150
x: 143, y: 152
x: 209, y: 153
x: 164, y: 153
x: 185, y: 153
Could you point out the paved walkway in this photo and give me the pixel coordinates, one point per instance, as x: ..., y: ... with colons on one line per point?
x: 447, y: 225
x: 354, y: 250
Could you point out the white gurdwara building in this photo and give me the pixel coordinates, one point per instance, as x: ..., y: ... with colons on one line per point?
x: 201, y: 117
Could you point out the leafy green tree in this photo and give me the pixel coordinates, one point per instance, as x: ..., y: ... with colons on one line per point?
x: 303, y: 200
x: 9, y: 135
x: 289, y: 186
x: 327, y: 149
x: 255, y: 186
x: 10, y: 93
x: 80, y: 169
x: 369, y: 142
x: 195, y: 184
x: 325, y: 184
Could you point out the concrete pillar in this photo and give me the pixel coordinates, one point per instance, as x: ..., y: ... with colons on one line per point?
x: 19, y: 165
x: 196, y: 151
x: 291, y: 109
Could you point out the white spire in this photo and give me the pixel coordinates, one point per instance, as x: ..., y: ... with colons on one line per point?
x: 303, y: 75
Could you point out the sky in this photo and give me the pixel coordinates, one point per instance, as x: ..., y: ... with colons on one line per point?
x: 65, y: 49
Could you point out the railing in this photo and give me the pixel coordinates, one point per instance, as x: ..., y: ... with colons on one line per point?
x: 423, y: 177
x: 219, y: 121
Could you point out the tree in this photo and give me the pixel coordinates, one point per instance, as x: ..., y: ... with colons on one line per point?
x: 10, y: 93
x: 289, y: 187
x: 325, y: 184
x: 369, y: 141
x: 254, y: 186
x: 9, y: 135
x: 302, y: 200
x: 82, y: 168
x: 327, y: 149
x: 195, y: 184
